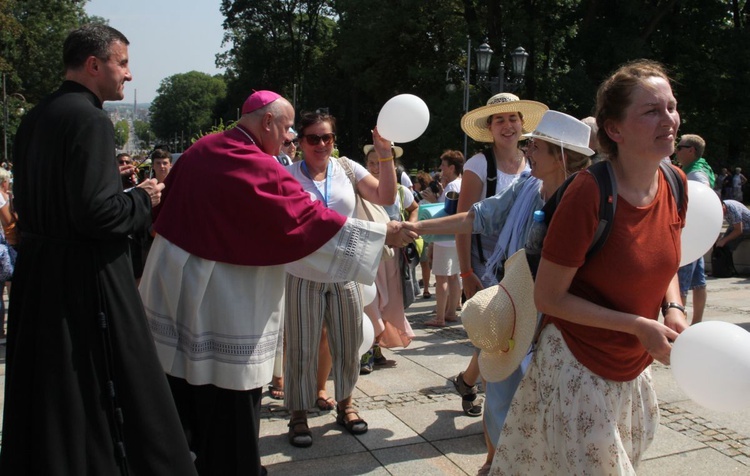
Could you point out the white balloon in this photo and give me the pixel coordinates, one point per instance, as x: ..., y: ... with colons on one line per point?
x: 403, y: 118
x: 711, y: 363
x: 702, y: 222
x: 369, y: 291
x: 368, y: 334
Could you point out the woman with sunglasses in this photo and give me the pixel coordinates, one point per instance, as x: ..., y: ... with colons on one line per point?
x: 311, y: 300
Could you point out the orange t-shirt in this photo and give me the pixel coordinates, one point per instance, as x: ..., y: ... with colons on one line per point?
x: 630, y: 273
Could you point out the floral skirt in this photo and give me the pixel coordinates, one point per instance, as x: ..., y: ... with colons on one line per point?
x: 564, y: 419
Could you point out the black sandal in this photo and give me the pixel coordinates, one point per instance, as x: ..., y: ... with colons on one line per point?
x: 356, y: 426
x: 299, y: 433
x: 468, y: 396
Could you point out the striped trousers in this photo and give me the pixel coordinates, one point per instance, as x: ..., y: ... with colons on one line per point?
x: 308, y: 304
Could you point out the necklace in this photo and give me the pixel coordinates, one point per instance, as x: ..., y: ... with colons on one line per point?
x: 510, y: 167
x: 246, y: 134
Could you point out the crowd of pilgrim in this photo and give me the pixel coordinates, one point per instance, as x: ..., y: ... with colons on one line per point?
x: 570, y: 390
x: 566, y: 364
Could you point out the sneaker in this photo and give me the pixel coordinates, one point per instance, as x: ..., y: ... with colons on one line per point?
x: 366, y: 363
x: 378, y: 358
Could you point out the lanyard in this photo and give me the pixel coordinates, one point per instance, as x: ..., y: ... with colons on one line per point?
x: 327, y: 186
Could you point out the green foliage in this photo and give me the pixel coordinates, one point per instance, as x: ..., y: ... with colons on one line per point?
x: 122, y: 133
x: 220, y: 127
x: 143, y: 133
x: 32, y: 48
x: 185, y: 104
x: 31, y: 37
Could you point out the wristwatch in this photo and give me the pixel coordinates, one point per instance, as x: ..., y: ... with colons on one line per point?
x: 665, y: 308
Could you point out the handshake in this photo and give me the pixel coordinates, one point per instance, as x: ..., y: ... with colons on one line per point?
x: 398, y: 235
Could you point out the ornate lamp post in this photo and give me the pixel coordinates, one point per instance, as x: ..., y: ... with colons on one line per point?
x: 500, y: 83
x: 496, y: 84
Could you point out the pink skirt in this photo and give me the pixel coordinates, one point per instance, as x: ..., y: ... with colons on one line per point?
x: 387, y: 310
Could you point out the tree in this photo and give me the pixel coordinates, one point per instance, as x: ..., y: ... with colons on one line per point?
x: 275, y: 45
x: 143, y: 133
x: 185, y: 104
x: 35, y: 52
x: 32, y: 33
x: 122, y: 133
x: 352, y: 55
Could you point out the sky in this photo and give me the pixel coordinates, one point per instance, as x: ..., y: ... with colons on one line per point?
x: 166, y: 37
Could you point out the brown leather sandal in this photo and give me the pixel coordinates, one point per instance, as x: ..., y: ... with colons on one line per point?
x: 355, y: 426
x: 299, y: 433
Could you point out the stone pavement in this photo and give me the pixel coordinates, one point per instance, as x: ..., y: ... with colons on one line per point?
x: 417, y: 426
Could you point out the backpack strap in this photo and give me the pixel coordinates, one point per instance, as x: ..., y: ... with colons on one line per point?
x: 675, y: 183
x: 605, y: 179
x: 491, y: 173
x: 491, y: 189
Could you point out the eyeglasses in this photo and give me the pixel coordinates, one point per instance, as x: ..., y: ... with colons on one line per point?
x: 679, y: 147
x: 314, y: 139
x: 287, y: 143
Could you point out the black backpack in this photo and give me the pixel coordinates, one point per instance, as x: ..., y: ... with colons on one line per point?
x: 722, y: 262
x: 605, y: 178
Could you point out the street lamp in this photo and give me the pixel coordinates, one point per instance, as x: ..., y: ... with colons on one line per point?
x: 19, y: 112
x: 466, y: 76
x: 500, y: 83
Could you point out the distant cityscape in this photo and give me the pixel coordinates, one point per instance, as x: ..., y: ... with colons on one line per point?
x: 119, y: 110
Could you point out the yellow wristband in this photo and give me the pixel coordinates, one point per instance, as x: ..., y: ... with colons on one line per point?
x: 388, y: 159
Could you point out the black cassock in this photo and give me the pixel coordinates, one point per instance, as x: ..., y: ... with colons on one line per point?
x: 73, y: 272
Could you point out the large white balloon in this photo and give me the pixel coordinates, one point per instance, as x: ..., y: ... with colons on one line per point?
x: 403, y: 118
x: 369, y: 291
x: 711, y: 363
x: 368, y: 334
x: 702, y: 223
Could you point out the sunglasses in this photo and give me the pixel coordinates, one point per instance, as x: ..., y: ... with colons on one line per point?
x: 679, y: 147
x: 314, y: 139
x: 287, y: 143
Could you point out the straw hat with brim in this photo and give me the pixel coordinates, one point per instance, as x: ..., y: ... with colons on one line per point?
x: 501, y: 320
x: 474, y: 123
x: 564, y: 131
x: 396, y: 150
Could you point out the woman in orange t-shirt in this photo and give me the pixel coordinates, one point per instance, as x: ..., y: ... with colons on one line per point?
x: 587, y: 404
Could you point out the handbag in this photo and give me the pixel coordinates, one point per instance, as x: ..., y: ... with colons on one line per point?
x: 11, y: 234
x: 364, y: 209
x: 409, y: 257
x: 7, y: 260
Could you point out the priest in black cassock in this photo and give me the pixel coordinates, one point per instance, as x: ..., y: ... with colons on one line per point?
x: 84, y: 391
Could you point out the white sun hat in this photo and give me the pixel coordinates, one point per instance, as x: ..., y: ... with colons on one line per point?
x: 563, y: 130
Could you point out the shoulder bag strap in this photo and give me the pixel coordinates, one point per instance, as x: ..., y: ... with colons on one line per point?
x: 344, y: 162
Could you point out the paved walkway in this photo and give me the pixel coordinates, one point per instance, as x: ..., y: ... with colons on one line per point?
x: 417, y: 426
